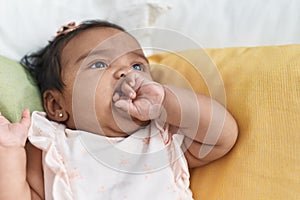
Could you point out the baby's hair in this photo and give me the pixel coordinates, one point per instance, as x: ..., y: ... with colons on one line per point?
x: 45, y: 64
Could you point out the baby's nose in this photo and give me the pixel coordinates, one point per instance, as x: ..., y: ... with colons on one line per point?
x: 121, y: 72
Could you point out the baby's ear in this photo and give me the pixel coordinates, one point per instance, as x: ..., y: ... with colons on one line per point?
x: 54, y: 106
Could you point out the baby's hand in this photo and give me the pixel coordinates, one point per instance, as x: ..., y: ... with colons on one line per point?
x: 138, y: 95
x: 14, y: 134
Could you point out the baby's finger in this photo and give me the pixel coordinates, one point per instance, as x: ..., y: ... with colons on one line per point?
x: 25, y: 119
x: 123, y: 104
x: 116, y: 97
x: 127, y: 89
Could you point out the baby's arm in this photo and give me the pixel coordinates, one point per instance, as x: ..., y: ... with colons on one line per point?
x: 13, y: 183
x: 209, y: 129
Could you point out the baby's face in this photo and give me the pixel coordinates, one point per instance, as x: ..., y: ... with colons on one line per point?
x: 92, y: 64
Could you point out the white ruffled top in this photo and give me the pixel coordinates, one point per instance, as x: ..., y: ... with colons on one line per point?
x: 148, y: 164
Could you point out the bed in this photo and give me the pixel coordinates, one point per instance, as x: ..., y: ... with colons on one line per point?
x: 253, y: 48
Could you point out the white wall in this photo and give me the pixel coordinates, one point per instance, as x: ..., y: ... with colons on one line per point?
x: 27, y: 25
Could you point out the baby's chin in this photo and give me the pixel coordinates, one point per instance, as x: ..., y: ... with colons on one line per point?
x: 140, y: 123
x: 125, y: 123
x: 123, y: 128
x: 133, y: 126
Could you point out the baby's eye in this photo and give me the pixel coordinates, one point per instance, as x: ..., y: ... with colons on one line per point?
x: 138, y: 67
x: 99, y: 65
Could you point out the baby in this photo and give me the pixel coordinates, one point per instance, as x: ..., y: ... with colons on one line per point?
x: 108, y: 131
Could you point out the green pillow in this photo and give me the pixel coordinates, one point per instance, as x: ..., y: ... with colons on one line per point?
x: 17, y: 90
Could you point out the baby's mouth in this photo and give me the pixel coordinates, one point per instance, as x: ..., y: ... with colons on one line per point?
x: 118, y: 95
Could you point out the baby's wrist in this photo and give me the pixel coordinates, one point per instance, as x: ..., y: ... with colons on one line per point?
x: 11, y: 152
x: 12, y: 144
x: 11, y: 147
x: 161, y: 119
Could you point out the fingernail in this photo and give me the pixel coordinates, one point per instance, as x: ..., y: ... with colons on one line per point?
x: 131, y: 94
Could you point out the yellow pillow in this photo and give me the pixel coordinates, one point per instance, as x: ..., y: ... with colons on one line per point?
x: 262, y: 88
